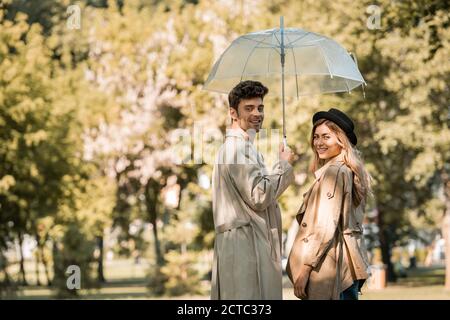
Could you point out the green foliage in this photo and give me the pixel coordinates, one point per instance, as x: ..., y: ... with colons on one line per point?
x: 77, y: 225
x: 46, y: 189
x: 86, y: 118
x: 74, y: 249
x: 156, y: 281
x: 183, y: 274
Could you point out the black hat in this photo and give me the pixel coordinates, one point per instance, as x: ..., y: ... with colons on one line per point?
x: 341, y: 119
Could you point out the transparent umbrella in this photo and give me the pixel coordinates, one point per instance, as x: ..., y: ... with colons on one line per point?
x: 291, y: 62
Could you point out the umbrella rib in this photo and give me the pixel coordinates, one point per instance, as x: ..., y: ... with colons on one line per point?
x: 278, y: 40
x: 300, y: 37
x: 346, y: 85
x: 268, y: 60
x: 279, y: 43
x: 257, y: 41
x: 326, y: 60
x: 274, y: 48
x: 248, y: 58
x: 220, y: 58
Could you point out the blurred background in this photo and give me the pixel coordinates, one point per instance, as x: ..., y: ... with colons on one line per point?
x: 106, y: 141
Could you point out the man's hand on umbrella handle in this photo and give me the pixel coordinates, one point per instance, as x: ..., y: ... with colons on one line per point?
x: 286, y: 153
x: 285, y: 142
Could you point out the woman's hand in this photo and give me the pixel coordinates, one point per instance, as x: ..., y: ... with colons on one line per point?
x: 302, y: 281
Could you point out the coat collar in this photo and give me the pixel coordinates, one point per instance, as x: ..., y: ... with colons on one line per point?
x: 337, y: 159
x: 240, y: 133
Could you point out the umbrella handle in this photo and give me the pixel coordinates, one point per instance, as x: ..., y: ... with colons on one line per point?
x: 284, y: 142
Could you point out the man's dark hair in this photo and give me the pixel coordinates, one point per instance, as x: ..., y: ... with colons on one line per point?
x: 246, y: 90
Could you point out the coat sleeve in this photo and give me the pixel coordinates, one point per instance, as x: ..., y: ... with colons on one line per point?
x: 256, y: 189
x: 333, y: 197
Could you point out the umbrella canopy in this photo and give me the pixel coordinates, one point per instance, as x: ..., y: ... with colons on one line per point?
x: 291, y: 61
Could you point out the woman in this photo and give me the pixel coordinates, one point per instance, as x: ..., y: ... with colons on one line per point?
x: 328, y: 259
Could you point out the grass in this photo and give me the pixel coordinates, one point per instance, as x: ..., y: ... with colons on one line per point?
x: 127, y: 280
x: 420, y: 284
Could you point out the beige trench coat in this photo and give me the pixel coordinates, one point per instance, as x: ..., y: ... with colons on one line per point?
x: 247, y: 220
x: 330, y: 236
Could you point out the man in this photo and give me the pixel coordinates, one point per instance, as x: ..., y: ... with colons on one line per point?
x: 247, y: 219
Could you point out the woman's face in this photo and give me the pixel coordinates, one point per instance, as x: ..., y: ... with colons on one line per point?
x: 325, y: 142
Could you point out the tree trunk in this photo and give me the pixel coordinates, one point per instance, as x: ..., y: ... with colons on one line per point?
x: 152, y: 190
x: 7, y: 285
x: 446, y: 227
x: 159, y: 257
x: 22, y: 261
x: 37, y: 260
x: 58, y: 271
x: 100, y: 275
x: 385, y: 246
x: 45, y: 263
x: 4, y: 265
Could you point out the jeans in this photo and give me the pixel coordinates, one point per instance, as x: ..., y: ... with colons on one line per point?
x: 351, y: 293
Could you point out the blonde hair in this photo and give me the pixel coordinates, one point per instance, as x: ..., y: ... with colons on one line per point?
x: 352, y: 159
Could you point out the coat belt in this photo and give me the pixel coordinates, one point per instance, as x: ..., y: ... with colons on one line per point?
x: 231, y: 225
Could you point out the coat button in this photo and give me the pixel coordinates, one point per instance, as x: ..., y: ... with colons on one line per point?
x: 305, y: 240
x: 304, y: 224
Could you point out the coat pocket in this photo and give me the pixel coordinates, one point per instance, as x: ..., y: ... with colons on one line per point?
x: 296, y: 256
x: 355, y: 224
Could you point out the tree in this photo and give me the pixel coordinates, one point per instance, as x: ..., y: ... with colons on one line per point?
x: 46, y: 106
x: 32, y: 132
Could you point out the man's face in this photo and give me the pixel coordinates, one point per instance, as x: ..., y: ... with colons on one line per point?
x: 250, y: 114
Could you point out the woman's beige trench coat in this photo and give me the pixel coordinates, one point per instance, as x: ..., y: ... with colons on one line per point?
x: 330, y: 235
x: 247, y: 220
